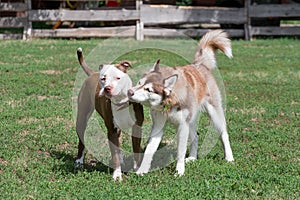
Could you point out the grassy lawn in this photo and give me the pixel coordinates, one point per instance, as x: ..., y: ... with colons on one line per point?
x: 39, y: 143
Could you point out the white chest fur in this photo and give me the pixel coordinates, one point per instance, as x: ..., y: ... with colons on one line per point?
x: 124, y: 118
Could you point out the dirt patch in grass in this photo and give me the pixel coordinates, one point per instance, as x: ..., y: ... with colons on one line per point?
x: 252, y: 110
x: 54, y: 121
x: 56, y: 72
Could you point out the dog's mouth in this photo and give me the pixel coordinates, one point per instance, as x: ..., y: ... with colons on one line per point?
x: 108, y: 95
x: 120, y: 100
x: 145, y: 103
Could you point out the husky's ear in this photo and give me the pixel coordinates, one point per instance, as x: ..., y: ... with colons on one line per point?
x: 169, y: 84
x: 155, y: 67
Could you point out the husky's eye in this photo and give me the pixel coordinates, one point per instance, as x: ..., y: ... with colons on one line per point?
x: 141, y: 82
x: 103, y: 79
x: 148, y: 89
x: 117, y: 78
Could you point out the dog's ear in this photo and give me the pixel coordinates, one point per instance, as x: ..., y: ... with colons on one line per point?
x: 100, y: 67
x: 155, y: 67
x: 169, y: 84
x: 123, y: 66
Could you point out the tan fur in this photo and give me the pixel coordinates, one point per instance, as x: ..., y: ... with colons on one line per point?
x: 178, y: 94
x: 208, y: 45
x: 89, y: 99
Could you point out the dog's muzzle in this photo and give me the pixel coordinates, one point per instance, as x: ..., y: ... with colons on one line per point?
x: 108, y: 89
x: 130, y: 93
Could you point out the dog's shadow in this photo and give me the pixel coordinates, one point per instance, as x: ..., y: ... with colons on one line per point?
x: 68, y: 164
x: 163, y: 157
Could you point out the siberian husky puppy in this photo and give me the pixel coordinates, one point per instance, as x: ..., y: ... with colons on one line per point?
x: 178, y: 94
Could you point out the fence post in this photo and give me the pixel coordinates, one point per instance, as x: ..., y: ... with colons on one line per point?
x: 28, y: 26
x: 139, y: 23
x: 247, y: 25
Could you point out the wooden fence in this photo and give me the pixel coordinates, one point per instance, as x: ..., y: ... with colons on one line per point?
x: 149, y: 20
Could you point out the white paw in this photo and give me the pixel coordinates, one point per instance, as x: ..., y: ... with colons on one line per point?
x: 178, y: 174
x: 78, y: 164
x: 135, y: 166
x: 179, y: 169
x: 229, y: 158
x: 117, y: 175
x: 141, y: 171
x: 190, y: 159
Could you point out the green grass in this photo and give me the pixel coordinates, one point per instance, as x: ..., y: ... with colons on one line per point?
x: 39, y: 143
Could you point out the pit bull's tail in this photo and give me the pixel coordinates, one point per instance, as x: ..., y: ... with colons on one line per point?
x: 208, y: 45
x: 82, y: 62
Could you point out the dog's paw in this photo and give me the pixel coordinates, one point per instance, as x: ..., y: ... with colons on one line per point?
x: 141, y: 172
x: 179, y: 169
x: 178, y: 174
x: 229, y: 158
x: 79, y: 165
x: 190, y: 159
x: 135, y: 166
x: 117, y: 175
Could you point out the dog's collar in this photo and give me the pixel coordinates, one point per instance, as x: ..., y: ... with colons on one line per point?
x: 163, y: 108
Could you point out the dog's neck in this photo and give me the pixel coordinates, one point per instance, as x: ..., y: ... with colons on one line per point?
x: 123, y: 115
x: 119, y: 99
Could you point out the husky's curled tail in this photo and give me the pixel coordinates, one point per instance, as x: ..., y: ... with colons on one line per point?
x: 208, y: 45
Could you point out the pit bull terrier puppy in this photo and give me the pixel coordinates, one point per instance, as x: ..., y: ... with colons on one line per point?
x: 106, y: 92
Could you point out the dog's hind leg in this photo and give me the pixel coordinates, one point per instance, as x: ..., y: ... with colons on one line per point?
x: 193, y: 137
x: 217, y: 117
x: 83, y: 115
x: 182, y: 140
x: 86, y: 106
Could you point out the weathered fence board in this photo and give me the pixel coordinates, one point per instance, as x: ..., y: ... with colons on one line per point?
x: 13, y: 6
x: 158, y: 32
x: 83, y: 15
x: 12, y: 22
x: 44, y: 15
x: 273, y: 10
x: 178, y: 14
x: 123, y: 31
x: 10, y: 36
x: 275, y: 31
x: 148, y: 18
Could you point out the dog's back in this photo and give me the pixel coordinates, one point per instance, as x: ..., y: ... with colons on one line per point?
x: 196, y: 82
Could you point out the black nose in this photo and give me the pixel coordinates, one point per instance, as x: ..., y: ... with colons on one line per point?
x: 130, y: 92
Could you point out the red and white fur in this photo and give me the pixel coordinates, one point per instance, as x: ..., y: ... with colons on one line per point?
x: 178, y: 94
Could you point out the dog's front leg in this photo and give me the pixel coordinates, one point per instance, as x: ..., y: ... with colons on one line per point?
x: 114, y: 145
x: 137, y: 134
x: 159, y: 120
x: 136, y: 144
x: 182, y: 139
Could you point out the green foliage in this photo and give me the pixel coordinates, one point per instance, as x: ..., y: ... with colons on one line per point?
x: 39, y: 143
x: 184, y: 3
